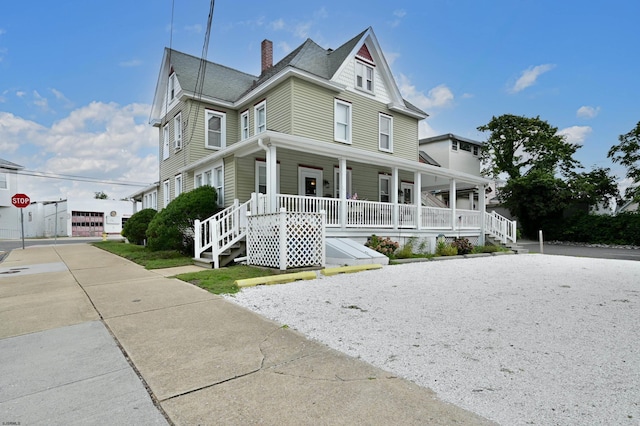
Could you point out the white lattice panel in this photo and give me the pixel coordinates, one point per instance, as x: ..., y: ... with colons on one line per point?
x: 302, y: 245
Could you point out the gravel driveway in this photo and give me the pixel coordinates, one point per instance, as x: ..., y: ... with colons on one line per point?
x: 526, y: 339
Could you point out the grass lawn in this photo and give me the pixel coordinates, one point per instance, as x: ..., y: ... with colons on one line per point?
x: 217, y: 281
x: 145, y: 257
x: 221, y: 281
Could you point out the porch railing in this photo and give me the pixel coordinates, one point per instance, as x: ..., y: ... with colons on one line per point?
x: 500, y: 227
x: 221, y: 231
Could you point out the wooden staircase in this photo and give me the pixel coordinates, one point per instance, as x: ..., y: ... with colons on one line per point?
x: 514, y: 247
x: 238, y: 249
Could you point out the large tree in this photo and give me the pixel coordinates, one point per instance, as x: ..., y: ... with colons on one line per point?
x: 517, y: 144
x: 627, y: 153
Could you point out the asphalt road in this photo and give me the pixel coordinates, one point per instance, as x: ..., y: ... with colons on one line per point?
x: 579, y: 251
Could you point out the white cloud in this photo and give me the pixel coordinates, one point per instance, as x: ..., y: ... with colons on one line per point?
x: 529, y: 77
x: 284, y: 46
x: 399, y: 14
x: 193, y: 29
x: 277, y: 24
x: 438, y: 97
x: 131, y: 63
x: 302, y: 30
x: 321, y: 13
x: 62, y: 98
x: 20, y: 93
x: 575, y: 134
x: 40, y: 101
x: 103, y: 141
x: 425, y: 130
x: 587, y: 112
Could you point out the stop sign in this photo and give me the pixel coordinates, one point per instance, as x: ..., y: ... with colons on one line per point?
x: 20, y: 201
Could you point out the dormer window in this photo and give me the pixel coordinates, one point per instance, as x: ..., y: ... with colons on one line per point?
x: 364, y: 76
x: 172, y: 87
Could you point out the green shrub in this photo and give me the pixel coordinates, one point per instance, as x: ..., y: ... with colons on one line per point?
x: 623, y: 228
x: 462, y: 245
x: 172, y: 227
x: 135, y: 228
x: 444, y: 249
x: 487, y: 249
x: 413, y: 248
x: 382, y: 245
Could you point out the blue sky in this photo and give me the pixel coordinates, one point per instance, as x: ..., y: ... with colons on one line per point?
x: 77, y: 77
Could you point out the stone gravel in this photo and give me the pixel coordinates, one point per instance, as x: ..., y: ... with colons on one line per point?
x: 521, y: 339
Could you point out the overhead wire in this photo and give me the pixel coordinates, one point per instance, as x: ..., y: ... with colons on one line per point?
x: 48, y: 175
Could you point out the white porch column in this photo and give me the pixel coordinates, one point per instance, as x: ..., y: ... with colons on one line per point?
x: 471, y: 196
x: 394, y: 195
x: 272, y: 178
x: 482, y: 206
x: 417, y: 195
x: 452, y: 204
x: 342, y: 163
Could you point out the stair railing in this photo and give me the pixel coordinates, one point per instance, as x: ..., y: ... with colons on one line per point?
x: 500, y: 227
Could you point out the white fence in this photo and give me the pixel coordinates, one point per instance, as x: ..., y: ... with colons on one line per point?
x: 286, y: 240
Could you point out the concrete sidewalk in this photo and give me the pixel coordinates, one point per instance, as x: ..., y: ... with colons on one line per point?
x: 87, y: 337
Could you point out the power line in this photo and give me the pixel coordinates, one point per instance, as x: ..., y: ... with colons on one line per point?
x: 47, y: 175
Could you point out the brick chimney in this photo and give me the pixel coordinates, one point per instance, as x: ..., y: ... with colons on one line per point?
x: 267, y: 55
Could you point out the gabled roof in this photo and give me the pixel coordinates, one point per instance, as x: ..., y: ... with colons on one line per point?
x: 4, y: 164
x: 230, y: 86
x: 427, y: 159
x: 449, y: 137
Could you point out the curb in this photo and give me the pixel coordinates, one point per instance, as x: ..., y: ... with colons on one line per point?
x: 276, y: 279
x: 349, y: 269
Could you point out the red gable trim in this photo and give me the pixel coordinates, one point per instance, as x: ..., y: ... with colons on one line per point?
x: 364, y: 54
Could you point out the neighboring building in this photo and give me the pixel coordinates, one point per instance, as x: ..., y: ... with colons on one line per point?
x: 457, y: 153
x: 9, y: 215
x: 313, y: 132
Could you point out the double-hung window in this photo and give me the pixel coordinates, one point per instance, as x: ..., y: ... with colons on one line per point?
x: 215, y: 136
x: 218, y: 183
x: 165, y: 142
x: 178, y: 188
x: 244, y: 125
x: 177, y: 132
x: 197, y: 180
x: 260, y: 117
x: 342, y: 117
x: 261, y: 177
x: 4, y: 181
x: 454, y: 145
x: 385, y: 125
x: 364, y: 77
x: 166, y: 195
x: 385, y: 188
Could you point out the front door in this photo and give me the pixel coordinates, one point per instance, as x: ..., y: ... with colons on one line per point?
x: 309, y: 182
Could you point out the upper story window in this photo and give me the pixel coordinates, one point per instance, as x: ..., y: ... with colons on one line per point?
x: 260, y: 115
x: 385, y: 126
x: 165, y: 142
x: 364, y: 76
x: 465, y: 146
x: 244, y: 125
x: 342, y: 117
x: 177, y: 132
x: 476, y: 151
x: 4, y: 181
x: 172, y: 87
x: 454, y: 145
x: 215, y: 136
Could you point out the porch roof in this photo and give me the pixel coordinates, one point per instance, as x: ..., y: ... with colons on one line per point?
x: 333, y: 150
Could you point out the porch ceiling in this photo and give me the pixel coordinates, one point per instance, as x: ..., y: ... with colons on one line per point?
x: 339, y: 151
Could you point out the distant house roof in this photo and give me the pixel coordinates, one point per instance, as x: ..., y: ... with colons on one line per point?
x: 426, y: 158
x: 4, y: 164
x: 449, y: 136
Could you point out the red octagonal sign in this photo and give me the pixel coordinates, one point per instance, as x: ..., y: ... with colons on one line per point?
x: 20, y: 201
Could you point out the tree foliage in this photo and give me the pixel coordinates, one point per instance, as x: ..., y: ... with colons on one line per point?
x: 518, y: 144
x: 135, y: 228
x: 627, y: 153
x: 172, y: 227
x: 99, y: 195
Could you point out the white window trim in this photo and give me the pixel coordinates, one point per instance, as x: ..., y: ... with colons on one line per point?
x: 336, y: 183
x: 178, y: 185
x: 363, y: 66
x: 382, y: 116
x: 335, y: 121
x: 256, y: 109
x: 177, y: 131
x: 166, y: 192
x: 263, y: 163
x: 171, y: 87
x: 380, y: 194
x: 244, y: 125
x: 223, y: 128
x: 218, y: 185
x: 454, y: 145
x: 197, y: 180
x: 165, y: 141
x: 5, y: 180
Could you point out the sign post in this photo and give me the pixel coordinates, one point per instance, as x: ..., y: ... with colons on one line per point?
x: 21, y: 201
